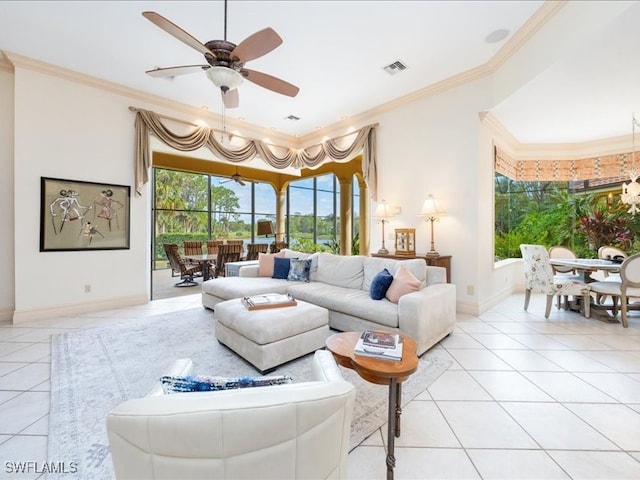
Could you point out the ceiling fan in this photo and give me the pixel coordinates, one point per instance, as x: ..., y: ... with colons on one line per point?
x: 226, y: 60
x: 237, y: 178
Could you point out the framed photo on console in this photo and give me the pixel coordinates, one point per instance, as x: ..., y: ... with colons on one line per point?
x: 78, y: 215
x: 406, y: 241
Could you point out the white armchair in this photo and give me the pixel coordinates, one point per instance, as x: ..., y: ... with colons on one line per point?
x: 296, y: 430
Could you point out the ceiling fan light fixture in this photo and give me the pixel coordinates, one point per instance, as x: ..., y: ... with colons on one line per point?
x: 224, y: 78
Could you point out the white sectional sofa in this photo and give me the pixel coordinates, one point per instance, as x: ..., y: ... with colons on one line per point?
x: 341, y: 284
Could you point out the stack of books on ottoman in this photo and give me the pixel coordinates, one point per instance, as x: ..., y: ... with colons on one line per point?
x: 382, y: 345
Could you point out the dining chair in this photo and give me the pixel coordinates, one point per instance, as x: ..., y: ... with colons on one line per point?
x: 226, y: 253
x: 253, y: 249
x: 192, y: 247
x: 275, y: 247
x: 178, y: 265
x: 212, y: 246
x: 608, y: 252
x: 539, y: 278
x: 561, y: 252
x: 622, y: 291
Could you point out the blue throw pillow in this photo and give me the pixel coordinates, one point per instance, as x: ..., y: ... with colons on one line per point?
x: 380, y: 284
x: 203, y: 383
x: 281, y: 267
x: 299, y: 271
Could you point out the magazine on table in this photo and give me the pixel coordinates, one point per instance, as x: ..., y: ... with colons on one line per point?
x: 383, y: 345
x: 269, y: 300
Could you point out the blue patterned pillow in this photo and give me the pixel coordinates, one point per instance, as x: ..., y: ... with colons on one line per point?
x: 281, y: 267
x: 299, y: 271
x: 203, y: 383
x: 380, y: 284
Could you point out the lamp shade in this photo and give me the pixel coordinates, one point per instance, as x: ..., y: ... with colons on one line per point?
x: 383, y: 211
x: 431, y: 208
x: 224, y: 77
x: 265, y: 227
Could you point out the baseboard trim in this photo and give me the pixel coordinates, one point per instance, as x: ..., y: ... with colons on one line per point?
x: 6, y: 315
x: 22, y: 316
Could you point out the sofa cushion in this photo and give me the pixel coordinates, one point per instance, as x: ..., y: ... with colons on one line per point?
x: 341, y: 271
x: 348, y: 301
x: 380, y: 284
x: 299, y: 271
x: 281, y: 268
x: 205, y: 383
x: 403, y: 282
x: 417, y: 267
x: 236, y: 287
x: 373, y: 265
x: 266, y: 262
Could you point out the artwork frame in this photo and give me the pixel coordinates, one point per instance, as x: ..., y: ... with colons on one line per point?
x: 80, y: 215
x: 405, y: 241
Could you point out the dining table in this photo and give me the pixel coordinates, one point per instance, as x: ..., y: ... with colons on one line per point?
x: 205, y: 260
x: 587, y: 266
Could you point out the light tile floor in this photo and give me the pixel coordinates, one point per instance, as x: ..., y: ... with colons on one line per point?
x: 525, y: 397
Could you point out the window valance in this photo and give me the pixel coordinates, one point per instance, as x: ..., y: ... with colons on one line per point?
x: 562, y: 170
x: 148, y: 122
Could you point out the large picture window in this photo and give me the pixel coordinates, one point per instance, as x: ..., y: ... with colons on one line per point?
x: 582, y: 215
x: 194, y: 206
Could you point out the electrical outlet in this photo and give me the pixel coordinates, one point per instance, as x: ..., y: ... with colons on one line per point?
x: 87, y: 288
x: 470, y: 289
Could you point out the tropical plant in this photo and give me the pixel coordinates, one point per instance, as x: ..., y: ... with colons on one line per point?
x: 603, y: 228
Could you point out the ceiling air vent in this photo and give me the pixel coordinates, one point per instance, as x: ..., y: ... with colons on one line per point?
x: 293, y: 118
x: 395, y: 67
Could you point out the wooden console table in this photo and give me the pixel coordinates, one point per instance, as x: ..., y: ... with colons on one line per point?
x: 439, y: 261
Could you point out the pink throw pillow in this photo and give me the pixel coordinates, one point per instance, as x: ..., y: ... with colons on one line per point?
x: 403, y: 282
x: 266, y: 262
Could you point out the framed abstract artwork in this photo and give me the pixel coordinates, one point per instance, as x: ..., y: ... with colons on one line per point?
x: 78, y: 215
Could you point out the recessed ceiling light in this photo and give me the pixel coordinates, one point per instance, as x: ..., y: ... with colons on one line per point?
x: 204, y: 107
x: 497, y: 35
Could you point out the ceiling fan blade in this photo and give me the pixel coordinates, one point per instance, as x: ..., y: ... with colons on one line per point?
x: 270, y: 82
x: 239, y: 180
x: 174, y: 71
x: 230, y: 98
x: 172, y: 29
x: 257, y: 45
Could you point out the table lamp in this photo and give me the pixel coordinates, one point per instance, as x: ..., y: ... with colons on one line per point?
x: 383, y: 211
x: 432, y: 211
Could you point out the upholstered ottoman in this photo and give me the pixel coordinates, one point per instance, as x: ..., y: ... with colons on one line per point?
x: 272, y: 336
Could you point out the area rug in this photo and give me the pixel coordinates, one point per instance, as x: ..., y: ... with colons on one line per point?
x: 94, y: 370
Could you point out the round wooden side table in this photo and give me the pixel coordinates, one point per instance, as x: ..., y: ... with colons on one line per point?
x: 380, y: 372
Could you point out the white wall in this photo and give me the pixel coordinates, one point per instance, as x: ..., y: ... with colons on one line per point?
x: 6, y: 195
x: 69, y: 130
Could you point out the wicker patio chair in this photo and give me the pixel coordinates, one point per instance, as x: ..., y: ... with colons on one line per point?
x: 226, y: 253
x: 253, y: 249
x: 179, y: 266
x: 275, y: 247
